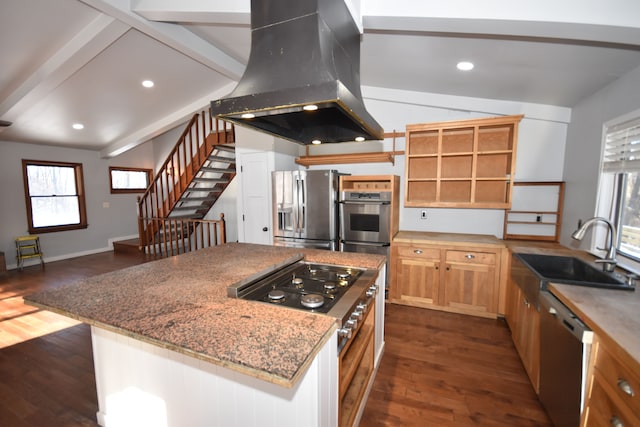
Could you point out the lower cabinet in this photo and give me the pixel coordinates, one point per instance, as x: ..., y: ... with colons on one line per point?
x: 446, y: 278
x: 613, y: 390
x: 524, y: 322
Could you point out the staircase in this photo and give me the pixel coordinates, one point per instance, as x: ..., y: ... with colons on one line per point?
x: 171, y: 213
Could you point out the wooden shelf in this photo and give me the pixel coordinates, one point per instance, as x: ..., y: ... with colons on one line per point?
x: 344, y: 158
x: 330, y: 159
x: 461, y: 164
x: 524, y: 222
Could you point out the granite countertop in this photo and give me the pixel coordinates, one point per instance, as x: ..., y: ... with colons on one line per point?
x: 613, y: 315
x: 181, y: 303
x: 451, y: 239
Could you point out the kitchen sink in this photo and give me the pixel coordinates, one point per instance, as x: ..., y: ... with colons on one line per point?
x: 571, y: 271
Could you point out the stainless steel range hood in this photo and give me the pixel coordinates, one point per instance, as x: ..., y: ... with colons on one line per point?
x: 303, y: 53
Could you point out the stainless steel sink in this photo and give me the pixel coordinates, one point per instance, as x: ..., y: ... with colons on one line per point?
x: 571, y: 271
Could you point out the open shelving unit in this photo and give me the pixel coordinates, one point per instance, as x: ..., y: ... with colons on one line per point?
x: 536, y: 212
x: 462, y: 164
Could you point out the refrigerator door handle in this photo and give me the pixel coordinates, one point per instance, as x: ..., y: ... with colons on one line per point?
x: 302, y: 205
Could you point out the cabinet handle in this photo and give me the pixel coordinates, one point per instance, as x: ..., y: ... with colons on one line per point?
x: 526, y: 302
x: 625, y: 387
x: 417, y: 251
x: 616, y: 422
x: 469, y: 256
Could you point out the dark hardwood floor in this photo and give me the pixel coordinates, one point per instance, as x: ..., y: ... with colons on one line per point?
x: 439, y: 369
x: 443, y: 369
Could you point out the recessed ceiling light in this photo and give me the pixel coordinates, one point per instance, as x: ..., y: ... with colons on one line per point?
x: 316, y: 142
x: 248, y: 116
x: 359, y: 138
x: 77, y: 126
x: 147, y: 83
x: 465, y: 65
x: 310, y: 107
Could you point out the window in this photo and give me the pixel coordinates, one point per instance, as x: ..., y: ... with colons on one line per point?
x: 54, y: 195
x: 619, y: 195
x: 129, y: 180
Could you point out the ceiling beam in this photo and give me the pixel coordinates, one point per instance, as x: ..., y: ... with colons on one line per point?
x: 611, y: 22
x: 174, y: 36
x: 82, y: 48
x: 589, y: 21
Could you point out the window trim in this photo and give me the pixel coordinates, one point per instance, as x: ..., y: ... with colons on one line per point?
x: 80, y: 194
x: 149, y: 173
x: 610, y: 186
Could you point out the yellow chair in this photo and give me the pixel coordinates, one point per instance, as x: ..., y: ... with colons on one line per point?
x: 28, y: 247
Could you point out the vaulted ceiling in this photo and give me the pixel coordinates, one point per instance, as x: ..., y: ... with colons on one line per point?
x: 83, y: 61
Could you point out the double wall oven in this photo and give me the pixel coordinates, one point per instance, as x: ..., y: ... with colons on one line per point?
x: 365, y: 222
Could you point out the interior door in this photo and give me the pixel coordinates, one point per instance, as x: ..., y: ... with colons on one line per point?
x: 256, y: 186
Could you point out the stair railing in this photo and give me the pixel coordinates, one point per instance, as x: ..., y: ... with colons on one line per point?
x: 182, y: 235
x: 196, y: 143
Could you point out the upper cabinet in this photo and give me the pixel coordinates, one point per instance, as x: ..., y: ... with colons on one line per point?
x: 461, y: 164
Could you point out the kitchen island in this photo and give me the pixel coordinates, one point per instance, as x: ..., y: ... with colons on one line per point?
x: 170, y: 348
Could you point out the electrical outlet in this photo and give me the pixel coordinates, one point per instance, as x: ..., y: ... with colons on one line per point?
x: 538, y: 218
x: 423, y: 214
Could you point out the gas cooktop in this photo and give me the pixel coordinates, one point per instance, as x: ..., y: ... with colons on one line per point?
x: 302, y: 285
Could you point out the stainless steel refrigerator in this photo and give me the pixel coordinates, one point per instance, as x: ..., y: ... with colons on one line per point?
x: 305, y: 208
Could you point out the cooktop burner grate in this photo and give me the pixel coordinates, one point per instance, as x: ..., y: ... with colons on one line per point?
x: 312, y: 287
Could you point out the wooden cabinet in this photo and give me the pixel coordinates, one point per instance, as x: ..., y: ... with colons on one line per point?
x: 377, y: 183
x: 462, y: 164
x: 470, y: 281
x: 417, y: 275
x: 445, y: 275
x: 613, y: 392
x: 524, y: 321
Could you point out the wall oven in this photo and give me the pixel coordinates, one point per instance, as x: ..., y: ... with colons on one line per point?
x: 365, y: 222
x: 365, y: 216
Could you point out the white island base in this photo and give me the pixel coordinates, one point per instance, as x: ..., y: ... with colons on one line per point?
x: 141, y: 385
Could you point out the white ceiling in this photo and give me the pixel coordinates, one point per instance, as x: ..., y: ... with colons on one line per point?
x: 68, y: 61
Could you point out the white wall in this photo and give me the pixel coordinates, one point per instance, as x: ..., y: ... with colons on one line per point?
x: 584, y: 144
x: 117, y: 220
x: 540, y: 151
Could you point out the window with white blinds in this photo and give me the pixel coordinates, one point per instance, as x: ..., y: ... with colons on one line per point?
x: 622, y: 148
x: 619, y: 190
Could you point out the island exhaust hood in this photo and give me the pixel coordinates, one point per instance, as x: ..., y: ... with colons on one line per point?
x: 302, y: 81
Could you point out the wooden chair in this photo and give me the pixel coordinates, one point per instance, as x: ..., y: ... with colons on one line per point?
x: 28, y: 247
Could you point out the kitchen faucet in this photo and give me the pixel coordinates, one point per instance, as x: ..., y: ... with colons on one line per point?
x: 608, y: 263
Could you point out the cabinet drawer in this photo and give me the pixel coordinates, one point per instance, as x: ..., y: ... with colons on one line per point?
x: 471, y: 257
x: 620, y: 379
x: 603, y: 411
x: 419, y: 252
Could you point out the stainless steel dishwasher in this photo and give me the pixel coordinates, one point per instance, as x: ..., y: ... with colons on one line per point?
x: 565, y: 344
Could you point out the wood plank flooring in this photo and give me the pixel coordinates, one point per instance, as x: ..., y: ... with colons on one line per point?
x: 439, y: 369
x: 444, y: 369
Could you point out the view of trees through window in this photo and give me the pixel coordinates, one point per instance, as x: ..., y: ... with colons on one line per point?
x: 54, y: 195
x: 629, y: 218
x: 129, y: 180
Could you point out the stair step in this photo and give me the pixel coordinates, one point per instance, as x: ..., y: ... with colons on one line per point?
x: 227, y: 148
x: 202, y: 190
x: 128, y: 246
x: 190, y: 208
x: 217, y: 170
x: 185, y: 199
x: 211, y: 180
x: 222, y: 159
